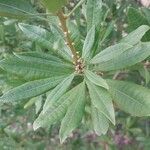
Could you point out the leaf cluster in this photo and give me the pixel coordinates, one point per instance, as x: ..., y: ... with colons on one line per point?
x: 54, y: 73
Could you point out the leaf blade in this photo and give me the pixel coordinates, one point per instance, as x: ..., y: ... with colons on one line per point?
x: 135, y: 36
x: 97, y: 80
x: 57, y: 92
x: 93, y: 13
x: 30, y: 89
x: 73, y: 115
x: 130, y: 97
x: 110, y: 52
x: 124, y: 59
x: 31, y: 69
x: 101, y: 99
x: 57, y: 110
x: 88, y: 43
x: 46, y: 39
x: 100, y: 122
x: 21, y: 9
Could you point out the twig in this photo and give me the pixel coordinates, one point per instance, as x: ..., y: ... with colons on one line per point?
x: 69, y: 42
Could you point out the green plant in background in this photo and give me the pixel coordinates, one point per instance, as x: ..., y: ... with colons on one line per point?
x: 74, y: 73
x: 142, y: 18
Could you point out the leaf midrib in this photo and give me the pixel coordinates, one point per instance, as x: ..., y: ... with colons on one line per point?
x: 104, y: 105
x: 128, y: 96
x: 31, y: 89
x: 73, y: 112
x: 15, y: 8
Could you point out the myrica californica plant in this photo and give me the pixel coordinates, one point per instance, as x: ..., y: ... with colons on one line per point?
x: 73, y: 72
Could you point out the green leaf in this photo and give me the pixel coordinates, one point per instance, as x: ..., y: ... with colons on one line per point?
x: 38, y: 104
x: 57, y: 109
x: 47, y: 39
x: 108, y: 31
x: 45, y: 56
x: 88, y: 43
x: 93, y: 13
x: 100, y: 122
x: 16, y: 9
x: 135, y: 19
x: 97, y: 80
x: 101, y: 99
x: 54, y: 5
x: 31, y: 102
x: 146, y: 11
x: 131, y: 98
x: 30, y: 89
x: 31, y: 69
x: 145, y: 73
x: 113, y: 59
x: 73, y: 115
x: 57, y: 92
x: 59, y: 40
x: 75, y: 35
x: 135, y: 36
x: 110, y: 52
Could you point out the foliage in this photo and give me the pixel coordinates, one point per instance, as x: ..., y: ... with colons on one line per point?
x: 66, y: 65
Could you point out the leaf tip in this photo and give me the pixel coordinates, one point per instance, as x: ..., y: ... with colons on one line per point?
x: 62, y: 138
x: 107, y: 86
x: 62, y: 141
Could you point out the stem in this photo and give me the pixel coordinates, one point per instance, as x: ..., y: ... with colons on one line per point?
x: 62, y: 19
x: 76, y: 7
